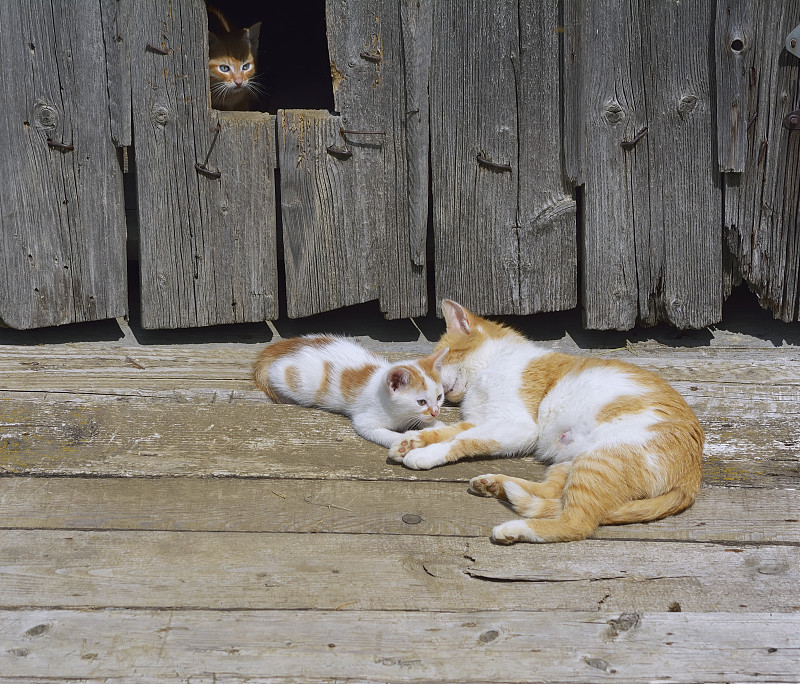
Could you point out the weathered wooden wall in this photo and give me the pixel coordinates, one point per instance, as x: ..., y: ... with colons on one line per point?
x: 62, y: 223
x: 625, y: 156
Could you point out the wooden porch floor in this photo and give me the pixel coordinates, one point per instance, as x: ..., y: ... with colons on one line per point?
x: 160, y: 519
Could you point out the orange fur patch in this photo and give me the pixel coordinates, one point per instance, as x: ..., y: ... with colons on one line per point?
x: 278, y: 350
x: 353, y: 379
x: 293, y: 378
x: 325, y: 383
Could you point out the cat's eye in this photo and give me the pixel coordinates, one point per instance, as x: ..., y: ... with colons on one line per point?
x: 421, y: 402
x: 247, y: 67
x: 224, y: 68
x: 440, y: 397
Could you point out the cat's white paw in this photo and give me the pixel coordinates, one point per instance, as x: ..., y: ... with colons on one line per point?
x: 486, y: 485
x: 427, y: 457
x: 398, y: 450
x: 514, y: 531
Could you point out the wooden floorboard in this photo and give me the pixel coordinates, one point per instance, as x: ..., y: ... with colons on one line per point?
x: 161, y: 520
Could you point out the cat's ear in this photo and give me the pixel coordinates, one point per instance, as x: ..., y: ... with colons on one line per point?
x: 458, y: 319
x: 437, y: 359
x: 213, y: 41
x: 251, y: 36
x: 398, y: 378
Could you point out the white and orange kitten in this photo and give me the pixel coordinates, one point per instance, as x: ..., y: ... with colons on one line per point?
x: 383, y: 399
x: 232, y: 55
x: 624, y: 445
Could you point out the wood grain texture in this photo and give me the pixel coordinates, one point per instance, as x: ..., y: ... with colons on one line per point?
x: 734, y: 36
x: 762, y: 227
x: 652, y: 194
x: 173, y: 570
x: 504, y: 220
x: 207, y: 245
x: 379, y: 52
x: 720, y: 514
x: 62, y: 225
x: 466, y: 646
x: 116, y: 16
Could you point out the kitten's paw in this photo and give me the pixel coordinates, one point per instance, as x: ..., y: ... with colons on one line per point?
x: 409, y: 441
x: 427, y: 457
x: 487, y: 485
x: 514, y: 531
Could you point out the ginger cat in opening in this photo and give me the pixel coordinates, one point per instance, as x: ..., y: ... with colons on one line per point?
x: 232, y: 57
x: 623, y: 444
x: 383, y: 399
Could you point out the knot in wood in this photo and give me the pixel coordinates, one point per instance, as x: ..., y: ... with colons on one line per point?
x: 159, y: 114
x: 687, y: 104
x: 613, y: 113
x: 45, y: 117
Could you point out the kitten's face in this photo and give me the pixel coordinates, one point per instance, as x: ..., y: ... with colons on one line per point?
x: 416, y: 391
x: 232, y: 65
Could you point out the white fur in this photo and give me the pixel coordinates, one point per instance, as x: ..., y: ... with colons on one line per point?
x: 379, y: 413
x: 514, y: 531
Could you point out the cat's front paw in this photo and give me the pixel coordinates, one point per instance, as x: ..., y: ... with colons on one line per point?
x: 409, y: 441
x: 428, y: 457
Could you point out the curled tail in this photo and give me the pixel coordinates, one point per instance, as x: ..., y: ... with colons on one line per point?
x: 264, y: 361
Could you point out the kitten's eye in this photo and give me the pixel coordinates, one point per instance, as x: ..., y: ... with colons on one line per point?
x: 247, y: 67
x: 440, y: 397
x: 421, y: 402
x: 224, y: 68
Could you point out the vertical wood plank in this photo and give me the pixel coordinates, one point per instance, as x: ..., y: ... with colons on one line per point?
x: 62, y: 224
x: 546, y: 210
x: 379, y: 69
x: 607, y: 73
x: 328, y: 232
x: 119, y: 69
x: 762, y: 228
x: 207, y: 243
x: 504, y: 220
x: 733, y: 37
x: 651, y: 240
x: 685, y: 187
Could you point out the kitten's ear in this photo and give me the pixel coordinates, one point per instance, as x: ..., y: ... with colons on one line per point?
x: 458, y: 319
x: 251, y: 36
x: 397, y: 378
x: 213, y: 40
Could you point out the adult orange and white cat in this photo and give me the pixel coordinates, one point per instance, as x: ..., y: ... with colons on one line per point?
x: 383, y: 399
x: 624, y: 445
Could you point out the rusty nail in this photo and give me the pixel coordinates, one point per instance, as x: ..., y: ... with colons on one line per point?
x: 630, y: 144
x: 157, y: 50
x: 371, y: 56
x: 793, y: 43
x: 343, y: 132
x: 483, y: 161
x: 202, y: 168
x: 61, y: 147
x: 339, y: 152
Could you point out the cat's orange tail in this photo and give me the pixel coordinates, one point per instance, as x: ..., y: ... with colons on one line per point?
x: 644, y: 510
x: 265, y: 359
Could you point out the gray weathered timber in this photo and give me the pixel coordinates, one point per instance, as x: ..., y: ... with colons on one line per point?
x: 504, y: 220
x: 762, y: 221
x: 62, y: 224
x: 734, y: 37
x: 379, y: 51
x: 207, y: 244
x: 375, y: 646
x: 720, y: 514
x: 116, y: 16
x: 651, y: 243
x: 154, y: 569
x: 329, y: 212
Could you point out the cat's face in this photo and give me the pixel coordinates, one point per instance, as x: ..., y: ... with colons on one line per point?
x: 465, y: 333
x: 415, y: 391
x: 232, y: 64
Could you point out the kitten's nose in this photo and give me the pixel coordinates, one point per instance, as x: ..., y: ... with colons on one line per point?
x: 434, y: 411
x: 238, y: 82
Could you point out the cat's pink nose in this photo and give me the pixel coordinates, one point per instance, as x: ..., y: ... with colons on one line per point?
x: 434, y: 411
x: 238, y: 82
